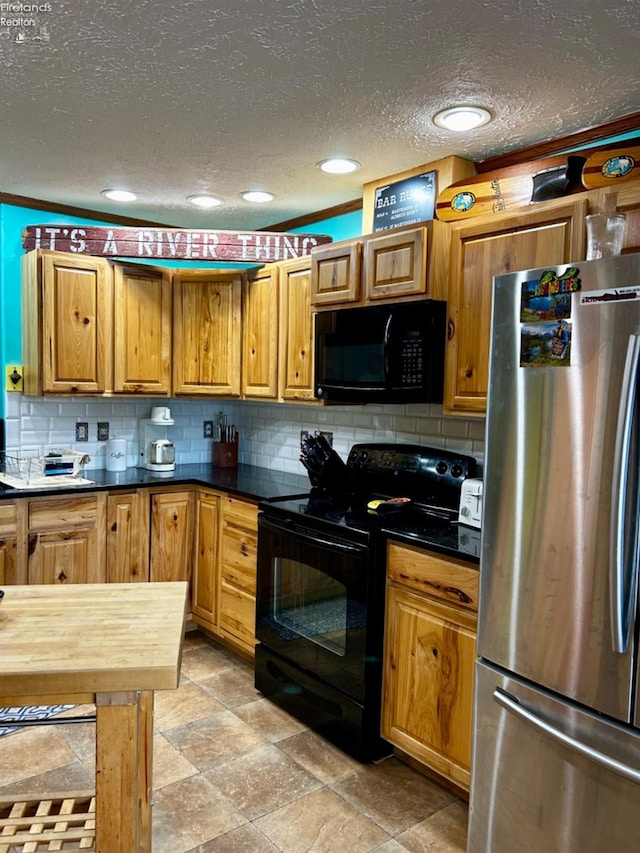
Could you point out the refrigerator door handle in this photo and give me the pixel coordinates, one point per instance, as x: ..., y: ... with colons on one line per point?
x: 622, y: 594
x: 606, y: 761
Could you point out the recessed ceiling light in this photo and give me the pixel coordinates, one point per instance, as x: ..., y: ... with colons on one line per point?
x: 257, y: 196
x: 462, y: 118
x: 205, y: 201
x: 119, y: 195
x: 338, y: 165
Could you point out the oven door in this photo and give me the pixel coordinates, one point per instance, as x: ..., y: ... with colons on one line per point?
x: 311, y: 602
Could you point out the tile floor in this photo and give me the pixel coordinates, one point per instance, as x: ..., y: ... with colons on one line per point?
x: 234, y: 773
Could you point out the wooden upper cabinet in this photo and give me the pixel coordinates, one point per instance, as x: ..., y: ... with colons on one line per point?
x: 480, y: 249
x: 335, y: 273
x: 395, y: 264
x: 260, y: 333
x: 391, y: 265
x: 207, y: 332
x: 296, y: 330
x: 66, y: 323
x: 142, y: 330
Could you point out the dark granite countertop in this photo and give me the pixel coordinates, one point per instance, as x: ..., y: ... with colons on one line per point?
x: 261, y: 484
x: 246, y: 481
x: 450, y: 540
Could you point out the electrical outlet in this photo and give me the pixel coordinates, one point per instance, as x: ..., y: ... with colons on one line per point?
x: 14, y: 377
x: 304, y: 433
x: 103, y: 430
x: 207, y: 429
x: 82, y: 431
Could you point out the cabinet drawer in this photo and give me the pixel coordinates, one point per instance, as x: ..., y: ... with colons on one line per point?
x: 8, y: 519
x: 239, y: 555
x: 431, y: 574
x: 62, y: 513
x: 240, y: 513
x: 237, y: 614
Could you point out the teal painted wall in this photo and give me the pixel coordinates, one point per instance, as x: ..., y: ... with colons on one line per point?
x: 14, y: 219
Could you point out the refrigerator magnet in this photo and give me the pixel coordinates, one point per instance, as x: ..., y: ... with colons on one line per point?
x: 548, y: 298
x: 545, y: 344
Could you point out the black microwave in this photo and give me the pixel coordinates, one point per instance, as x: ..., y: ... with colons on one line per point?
x: 381, y: 353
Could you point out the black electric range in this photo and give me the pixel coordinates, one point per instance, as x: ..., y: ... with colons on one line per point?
x: 321, y: 582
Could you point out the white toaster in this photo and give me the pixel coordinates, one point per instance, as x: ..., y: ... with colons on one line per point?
x: 470, y: 509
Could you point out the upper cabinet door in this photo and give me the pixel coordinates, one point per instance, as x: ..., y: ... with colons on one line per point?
x: 296, y: 330
x: 260, y: 334
x: 480, y: 249
x: 142, y: 330
x: 335, y: 273
x: 207, y: 333
x: 395, y: 264
x: 67, y: 323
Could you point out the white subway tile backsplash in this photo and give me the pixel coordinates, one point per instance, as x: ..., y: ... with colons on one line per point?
x: 269, y: 433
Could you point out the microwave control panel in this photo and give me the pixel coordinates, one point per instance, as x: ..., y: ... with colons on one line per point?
x: 412, y: 358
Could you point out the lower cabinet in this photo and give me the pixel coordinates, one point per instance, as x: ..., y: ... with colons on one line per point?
x: 150, y: 534
x: 223, y: 586
x: 430, y: 649
x: 237, y: 583
x: 9, y: 543
x: 171, y: 542
x: 128, y: 536
x: 204, y: 583
x: 66, y: 542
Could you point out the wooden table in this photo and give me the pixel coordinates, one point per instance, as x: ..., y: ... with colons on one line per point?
x: 108, y: 644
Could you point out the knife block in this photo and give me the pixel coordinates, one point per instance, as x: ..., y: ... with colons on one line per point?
x: 225, y: 454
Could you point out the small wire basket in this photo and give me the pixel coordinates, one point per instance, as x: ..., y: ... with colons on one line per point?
x: 25, y: 468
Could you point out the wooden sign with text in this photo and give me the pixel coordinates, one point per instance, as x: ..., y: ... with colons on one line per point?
x: 172, y: 243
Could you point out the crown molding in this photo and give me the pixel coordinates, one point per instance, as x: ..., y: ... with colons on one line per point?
x: 594, y: 135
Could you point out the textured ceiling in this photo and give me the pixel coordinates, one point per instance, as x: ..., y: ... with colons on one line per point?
x: 174, y: 98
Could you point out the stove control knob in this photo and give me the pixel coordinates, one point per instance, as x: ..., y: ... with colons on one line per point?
x: 456, y: 470
x: 441, y: 467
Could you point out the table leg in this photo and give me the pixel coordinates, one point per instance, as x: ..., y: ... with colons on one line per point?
x: 124, y: 745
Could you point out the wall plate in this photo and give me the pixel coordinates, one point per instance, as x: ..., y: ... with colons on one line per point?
x: 82, y: 431
x: 14, y: 377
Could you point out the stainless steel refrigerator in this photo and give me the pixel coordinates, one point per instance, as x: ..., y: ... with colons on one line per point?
x: 556, y: 755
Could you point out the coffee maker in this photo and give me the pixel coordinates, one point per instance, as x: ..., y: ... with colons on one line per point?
x: 157, y: 452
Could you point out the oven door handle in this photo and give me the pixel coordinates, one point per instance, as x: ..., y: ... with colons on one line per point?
x: 307, y: 535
